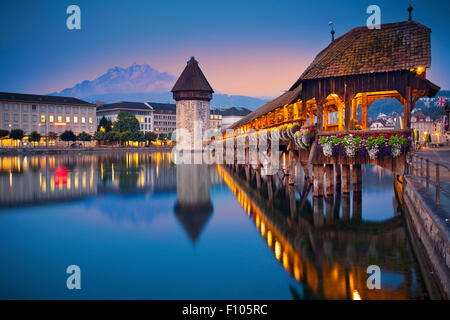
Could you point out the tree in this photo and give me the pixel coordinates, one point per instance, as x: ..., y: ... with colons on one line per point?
x: 150, y: 136
x: 68, y: 135
x: 34, y: 137
x: 105, y: 124
x: 52, y: 135
x: 112, y: 136
x: 3, y: 133
x: 99, y: 135
x: 126, y: 122
x: 84, y: 136
x: 16, y: 134
x: 125, y: 136
x: 162, y: 136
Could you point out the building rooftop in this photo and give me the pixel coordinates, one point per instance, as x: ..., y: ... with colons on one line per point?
x: 37, y: 98
x: 192, y: 79
x: 124, y: 105
x: 393, y: 47
x: 163, y: 106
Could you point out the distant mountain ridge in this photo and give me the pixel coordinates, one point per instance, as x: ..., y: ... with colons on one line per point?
x: 143, y: 83
x: 136, y: 78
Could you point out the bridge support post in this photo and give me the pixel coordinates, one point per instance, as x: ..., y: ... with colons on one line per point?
x: 269, y: 187
x: 345, y: 207
x: 292, y: 165
x: 357, y: 206
x: 292, y: 202
x: 329, y: 217
x: 337, y: 174
x: 318, y: 211
x: 345, y: 178
x: 318, y: 180
x: 356, y: 178
x: 329, y: 179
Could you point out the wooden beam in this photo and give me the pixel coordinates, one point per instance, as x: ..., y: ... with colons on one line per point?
x: 341, y: 116
x: 319, y: 114
x: 407, y: 108
x: 364, y: 105
x: 347, y: 114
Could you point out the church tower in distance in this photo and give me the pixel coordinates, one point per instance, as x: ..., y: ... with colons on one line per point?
x: 192, y: 93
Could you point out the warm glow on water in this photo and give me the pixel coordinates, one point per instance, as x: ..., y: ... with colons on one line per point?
x: 130, y: 221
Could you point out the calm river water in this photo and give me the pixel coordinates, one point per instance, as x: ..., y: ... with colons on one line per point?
x: 140, y: 227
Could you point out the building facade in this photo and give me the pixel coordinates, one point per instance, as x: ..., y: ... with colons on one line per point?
x: 141, y: 110
x: 192, y: 94
x: 45, y: 114
x: 165, y: 117
x: 215, y: 119
x: 426, y: 126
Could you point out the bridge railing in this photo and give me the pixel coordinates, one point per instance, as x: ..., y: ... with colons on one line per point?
x: 420, y: 168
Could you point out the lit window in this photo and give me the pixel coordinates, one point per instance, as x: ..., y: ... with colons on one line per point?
x: 90, y: 120
x: 51, y: 118
x: 75, y: 119
x: 59, y: 118
x: 83, y: 120
x: 67, y: 119
x: 42, y: 118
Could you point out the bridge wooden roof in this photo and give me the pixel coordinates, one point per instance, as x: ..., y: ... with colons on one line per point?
x: 393, y: 47
x: 362, y: 60
x: 286, y: 98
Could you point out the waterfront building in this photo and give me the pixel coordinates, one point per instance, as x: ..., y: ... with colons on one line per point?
x: 165, y: 117
x: 44, y: 114
x: 141, y: 110
x: 192, y: 93
x: 215, y: 119
x: 425, y: 125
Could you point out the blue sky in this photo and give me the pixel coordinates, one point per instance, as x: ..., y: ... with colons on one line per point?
x: 245, y: 47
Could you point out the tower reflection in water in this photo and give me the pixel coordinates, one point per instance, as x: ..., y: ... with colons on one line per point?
x: 193, y: 207
x: 325, y: 249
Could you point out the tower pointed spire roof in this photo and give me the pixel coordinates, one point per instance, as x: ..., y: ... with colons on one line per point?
x: 192, y: 79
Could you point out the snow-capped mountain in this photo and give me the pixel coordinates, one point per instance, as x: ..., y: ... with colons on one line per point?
x: 136, y: 78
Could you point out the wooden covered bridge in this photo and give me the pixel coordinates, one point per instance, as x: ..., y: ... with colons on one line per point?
x: 322, y: 119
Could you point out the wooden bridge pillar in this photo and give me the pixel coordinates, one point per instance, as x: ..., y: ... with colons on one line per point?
x: 318, y: 180
x: 337, y: 174
x: 345, y: 178
x: 318, y: 211
x: 306, y: 171
x: 356, y: 178
x: 292, y: 201
x: 345, y: 207
x: 269, y: 188
x: 258, y: 179
x: 329, y: 179
x: 292, y: 165
x: 357, y: 206
x: 329, y: 209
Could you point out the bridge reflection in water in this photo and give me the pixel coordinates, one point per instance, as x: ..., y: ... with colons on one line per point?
x: 323, y: 248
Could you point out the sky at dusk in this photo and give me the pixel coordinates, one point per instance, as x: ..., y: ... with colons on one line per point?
x: 255, y: 48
